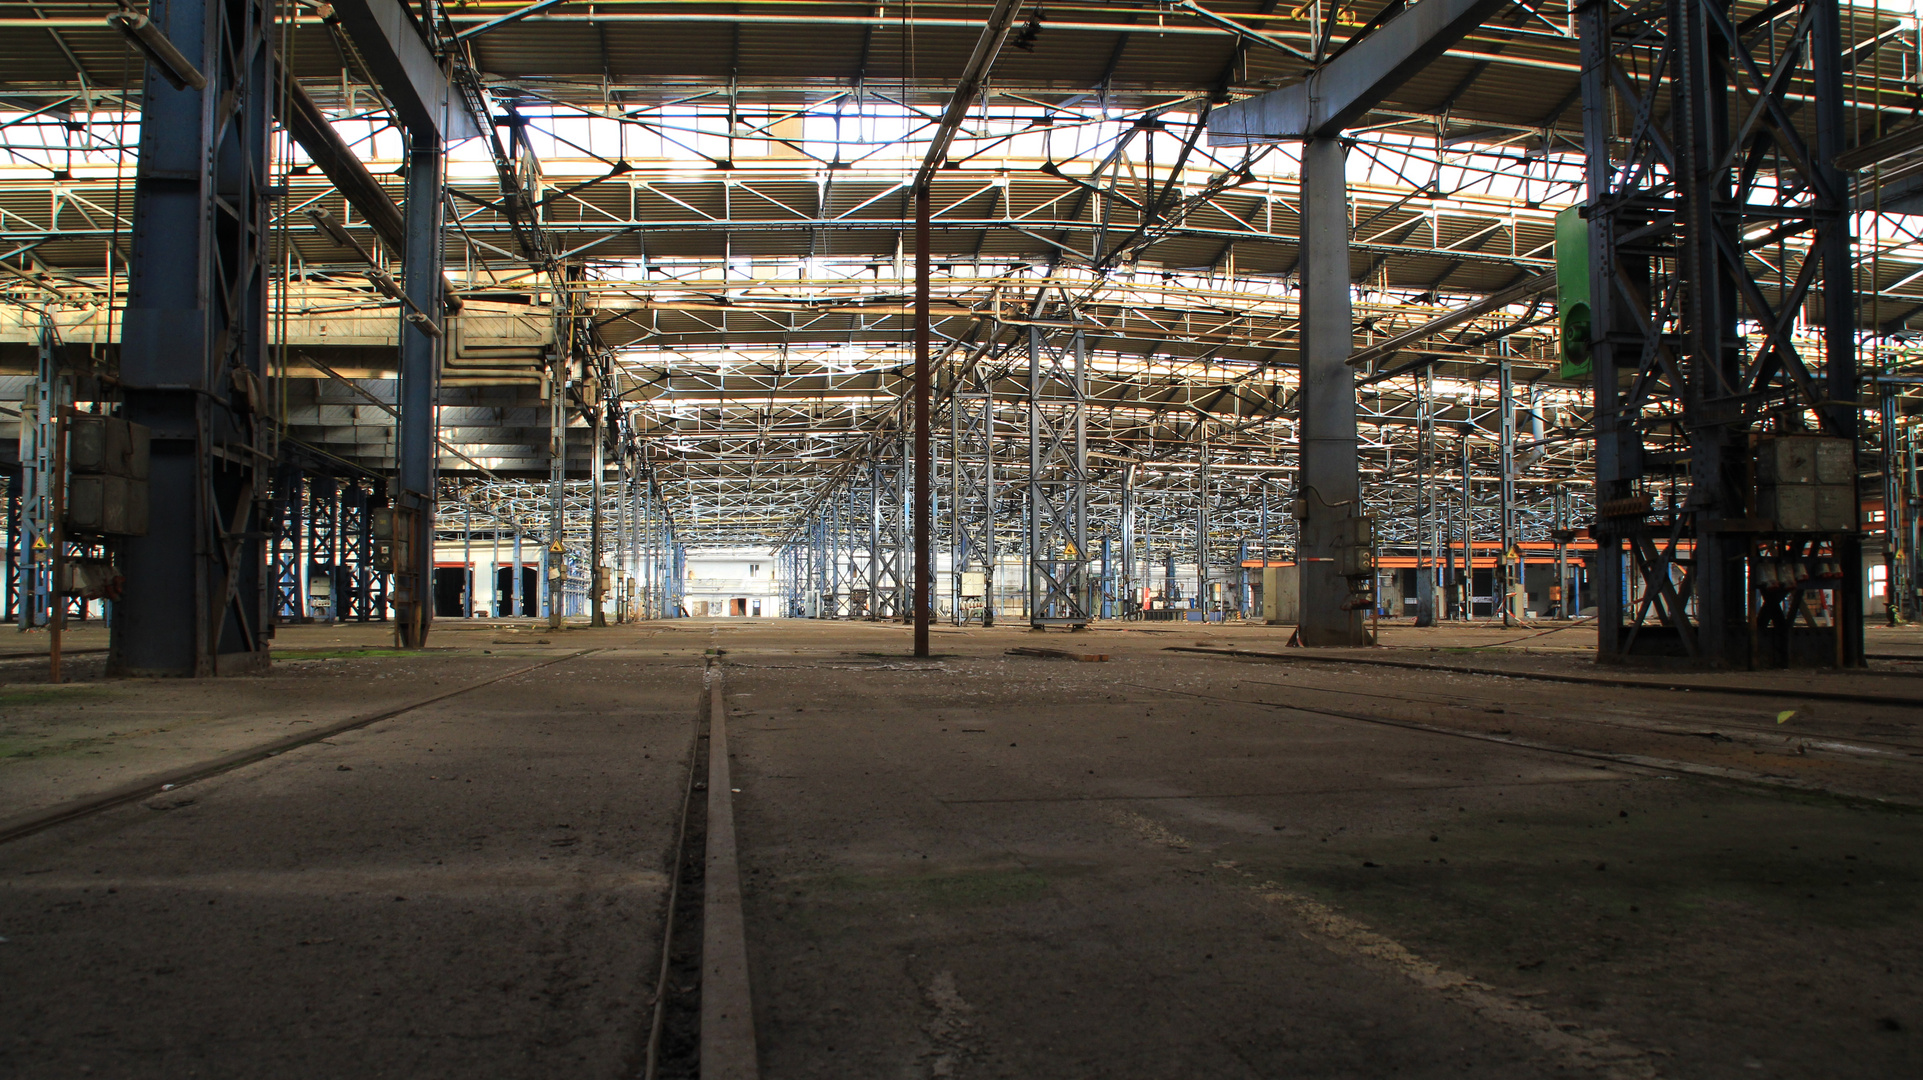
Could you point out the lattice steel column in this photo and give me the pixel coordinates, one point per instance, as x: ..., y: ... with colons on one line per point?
x: 14, y: 563
x: 1131, y: 599
x: 323, y: 539
x: 597, y: 463
x: 1426, y: 527
x: 46, y: 395
x: 357, y: 556
x: 1698, y: 168
x: 1058, y: 578
x: 972, y: 515
x: 556, y: 583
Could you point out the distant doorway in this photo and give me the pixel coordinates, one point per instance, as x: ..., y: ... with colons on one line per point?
x: 450, y: 582
x: 504, y: 591
x: 738, y: 606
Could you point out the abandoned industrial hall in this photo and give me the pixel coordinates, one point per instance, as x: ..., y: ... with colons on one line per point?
x: 961, y: 539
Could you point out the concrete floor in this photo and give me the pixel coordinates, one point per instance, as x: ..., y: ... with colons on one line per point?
x: 979, y: 865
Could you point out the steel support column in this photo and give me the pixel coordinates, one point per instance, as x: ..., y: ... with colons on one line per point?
x: 597, y: 462
x: 1058, y: 580
x: 924, y: 380
x: 1426, y: 530
x: 197, y: 600
x: 1509, y: 568
x: 419, y: 420
x: 514, y: 581
x: 1329, y: 484
x: 1688, y: 326
x: 972, y: 516
x: 554, y: 584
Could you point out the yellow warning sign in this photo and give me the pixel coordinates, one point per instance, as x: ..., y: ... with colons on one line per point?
x: 40, y: 543
x: 557, y: 547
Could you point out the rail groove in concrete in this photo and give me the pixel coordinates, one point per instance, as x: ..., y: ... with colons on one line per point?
x: 727, y: 1007
x: 37, y: 820
x: 1549, y: 676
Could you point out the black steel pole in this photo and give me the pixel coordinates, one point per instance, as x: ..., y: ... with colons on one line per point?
x: 924, y: 457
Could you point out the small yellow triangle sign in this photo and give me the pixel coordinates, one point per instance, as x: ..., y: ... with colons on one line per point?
x: 40, y: 543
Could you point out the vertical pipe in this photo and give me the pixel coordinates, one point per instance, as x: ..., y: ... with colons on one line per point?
x: 514, y: 581
x: 924, y: 568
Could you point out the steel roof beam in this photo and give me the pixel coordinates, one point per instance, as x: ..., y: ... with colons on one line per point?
x: 397, y: 55
x: 1335, y: 95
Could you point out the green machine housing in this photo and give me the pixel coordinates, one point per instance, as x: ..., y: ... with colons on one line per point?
x: 1572, y: 292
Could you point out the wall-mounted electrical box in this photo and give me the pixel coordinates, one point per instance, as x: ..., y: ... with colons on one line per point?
x: 1807, y: 483
x: 1355, y: 546
x: 107, y: 491
x: 1572, y: 293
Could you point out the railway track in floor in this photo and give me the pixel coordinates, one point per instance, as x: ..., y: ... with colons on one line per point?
x: 1726, y: 727
x: 48, y: 817
x: 1637, y: 761
x: 1298, y: 657
x: 700, y: 1024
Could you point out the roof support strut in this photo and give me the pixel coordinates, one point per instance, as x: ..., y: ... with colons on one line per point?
x: 1336, y: 94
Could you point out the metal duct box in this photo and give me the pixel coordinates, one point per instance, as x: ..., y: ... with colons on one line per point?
x: 107, y: 445
x: 107, y: 505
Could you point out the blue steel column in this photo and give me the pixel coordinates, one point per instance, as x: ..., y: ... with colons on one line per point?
x: 193, y: 341
x: 420, y: 380
x: 1835, y: 245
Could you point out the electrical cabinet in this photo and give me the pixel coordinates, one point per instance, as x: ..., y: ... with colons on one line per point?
x: 1807, y: 483
x: 107, y: 491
